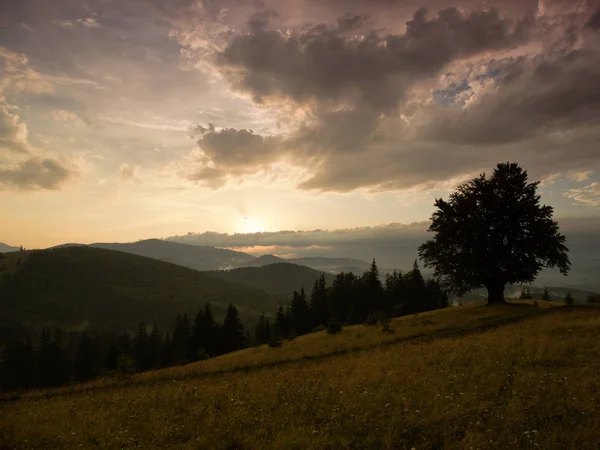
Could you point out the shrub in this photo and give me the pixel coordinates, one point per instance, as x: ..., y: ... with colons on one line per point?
x: 569, y: 300
x: 334, y: 327
x: 593, y: 298
x: 373, y: 319
x: 275, y: 342
x: 386, y: 325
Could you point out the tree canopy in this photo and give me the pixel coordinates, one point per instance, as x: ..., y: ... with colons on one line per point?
x: 493, y: 231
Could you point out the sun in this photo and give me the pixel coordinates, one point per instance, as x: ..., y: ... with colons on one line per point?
x: 250, y: 225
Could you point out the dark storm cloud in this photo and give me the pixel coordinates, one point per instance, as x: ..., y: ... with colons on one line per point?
x: 366, y: 127
x: 539, y: 95
x: 323, y: 64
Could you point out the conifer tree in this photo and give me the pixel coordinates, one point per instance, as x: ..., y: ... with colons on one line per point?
x: 140, y: 348
x: 154, y: 347
x: 17, y: 366
x: 53, y: 367
x: 300, y: 313
x: 546, y: 295
x: 318, y: 303
x: 232, y: 332
x: 262, y: 333
x: 198, y: 346
x: 343, y: 296
x: 281, y: 328
x: 569, y: 300
x: 167, y: 358
x: 210, y: 332
x: 374, y: 294
x: 415, y: 290
x: 83, y: 363
x: 181, y: 338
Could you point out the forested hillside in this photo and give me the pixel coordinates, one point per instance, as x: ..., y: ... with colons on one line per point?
x: 90, y: 287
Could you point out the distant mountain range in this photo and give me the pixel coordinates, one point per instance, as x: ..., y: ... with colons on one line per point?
x: 192, y: 256
x: 206, y: 258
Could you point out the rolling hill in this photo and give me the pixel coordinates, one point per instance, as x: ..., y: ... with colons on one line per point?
x: 512, y: 376
x: 320, y: 263
x: 4, y: 248
x: 86, y: 286
x: 281, y: 278
x: 192, y: 256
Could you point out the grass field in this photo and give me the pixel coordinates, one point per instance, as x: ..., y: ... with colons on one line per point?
x: 515, y: 376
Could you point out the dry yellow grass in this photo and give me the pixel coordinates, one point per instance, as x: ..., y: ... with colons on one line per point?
x: 528, y: 384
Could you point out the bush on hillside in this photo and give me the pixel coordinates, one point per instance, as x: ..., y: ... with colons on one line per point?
x: 334, y: 327
x: 275, y: 342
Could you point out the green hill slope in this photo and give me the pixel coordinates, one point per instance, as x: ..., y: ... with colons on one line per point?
x: 467, y: 377
x: 81, y: 286
x: 281, y: 278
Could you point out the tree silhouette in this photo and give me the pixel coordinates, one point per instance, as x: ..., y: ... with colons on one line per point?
x: 373, y: 291
x: 210, y: 332
x: 282, y: 328
x: 300, y: 313
x: 415, y: 290
x: 83, y: 363
x: 569, y: 300
x: 546, y: 295
x: 493, y: 231
x: 232, y: 332
x: 262, y: 332
x: 318, y: 302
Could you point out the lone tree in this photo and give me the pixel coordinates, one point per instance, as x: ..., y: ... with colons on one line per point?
x: 493, y: 231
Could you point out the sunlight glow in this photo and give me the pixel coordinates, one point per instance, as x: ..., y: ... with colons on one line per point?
x: 250, y: 225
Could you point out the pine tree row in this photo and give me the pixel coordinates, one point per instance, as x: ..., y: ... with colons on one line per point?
x: 90, y: 354
x: 352, y: 300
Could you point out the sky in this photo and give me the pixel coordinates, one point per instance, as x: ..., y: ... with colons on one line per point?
x: 124, y: 120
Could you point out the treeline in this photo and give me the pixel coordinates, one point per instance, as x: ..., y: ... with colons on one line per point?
x: 352, y: 300
x: 54, y: 358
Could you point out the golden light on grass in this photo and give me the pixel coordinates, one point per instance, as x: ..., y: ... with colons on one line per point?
x: 445, y: 379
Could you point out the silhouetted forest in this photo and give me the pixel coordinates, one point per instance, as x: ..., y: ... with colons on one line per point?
x: 54, y: 357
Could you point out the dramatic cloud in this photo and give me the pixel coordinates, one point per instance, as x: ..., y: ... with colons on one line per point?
x: 237, y: 151
x: 587, y: 195
x: 531, y: 96
x: 17, y: 76
x: 324, y: 64
x: 34, y: 173
x: 13, y: 134
x: 440, y: 100
x: 23, y: 166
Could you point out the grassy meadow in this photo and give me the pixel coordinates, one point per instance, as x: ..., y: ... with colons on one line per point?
x: 515, y: 376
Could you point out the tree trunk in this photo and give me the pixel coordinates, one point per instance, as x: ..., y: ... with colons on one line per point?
x: 495, y: 294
